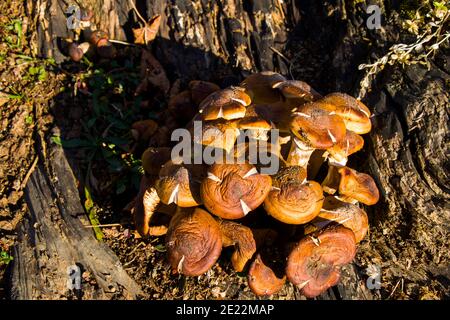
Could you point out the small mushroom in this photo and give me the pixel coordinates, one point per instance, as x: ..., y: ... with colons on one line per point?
x: 179, y: 184
x: 314, y: 263
x: 357, y: 186
x: 255, y: 127
x: 221, y: 134
x: 241, y: 237
x: 330, y: 184
x: 262, y: 280
x: 146, y: 204
x: 231, y: 191
x: 199, y: 90
x: 292, y: 199
x: 297, y: 90
x: 259, y: 87
x: 193, y: 241
x: 154, y: 158
x: 143, y: 129
x: 338, y: 154
x: 77, y: 51
x: 355, y: 114
x: 228, y: 103
x: 346, y: 214
x: 181, y: 106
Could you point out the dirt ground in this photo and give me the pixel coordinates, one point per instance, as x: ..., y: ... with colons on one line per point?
x: 38, y: 105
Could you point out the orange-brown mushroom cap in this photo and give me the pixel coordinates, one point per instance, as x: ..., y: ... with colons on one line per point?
x: 241, y: 237
x: 339, y: 153
x: 354, y: 113
x: 259, y: 86
x: 357, y: 186
x: 231, y: 191
x: 347, y: 214
x: 193, y: 242
x: 229, y: 111
x: 316, y: 127
x: 314, y: 264
x: 225, y: 97
x: 295, y: 89
x: 292, y: 199
x: 262, y: 280
x: 179, y: 184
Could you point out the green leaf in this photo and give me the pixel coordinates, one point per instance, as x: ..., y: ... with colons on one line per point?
x: 92, y: 213
x: 56, y: 140
x: 160, y: 247
x: 5, y: 258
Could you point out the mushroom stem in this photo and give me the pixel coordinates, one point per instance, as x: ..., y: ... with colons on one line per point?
x: 299, y: 153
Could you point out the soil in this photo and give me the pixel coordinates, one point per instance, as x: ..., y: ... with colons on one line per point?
x: 48, y: 108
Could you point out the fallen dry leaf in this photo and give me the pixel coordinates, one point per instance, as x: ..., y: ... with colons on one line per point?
x: 147, y: 33
x: 153, y: 73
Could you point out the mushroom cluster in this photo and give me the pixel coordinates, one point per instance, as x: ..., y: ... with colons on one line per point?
x: 313, y: 194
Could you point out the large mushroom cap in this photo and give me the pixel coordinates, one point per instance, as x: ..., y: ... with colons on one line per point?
x: 354, y: 113
x: 231, y: 191
x: 241, y: 237
x: 292, y: 199
x: 316, y: 127
x: 347, y: 214
x: 193, y: 242
x: 179, y: 184
x: 314, y: 263
x: 357, y: 186
x: 262, y: 280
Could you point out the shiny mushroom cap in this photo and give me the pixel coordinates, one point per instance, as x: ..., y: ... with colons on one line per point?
x: 259, y: 87
x: 229, y: 102
x: 193, y: 242
x: 339, y: 153
x: 231, y: 191
x: 357, y: 186
x: 179, y: 184
x: 255, y: 127
x: 292, y: 199
x: 294, y: 89
x: 241, y: 237
x: 262, y: 280
x: 354, y: 113
x: 344, y: 213
x: 314, y: 263
x: 221, y: 134
x: 316, y: 127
